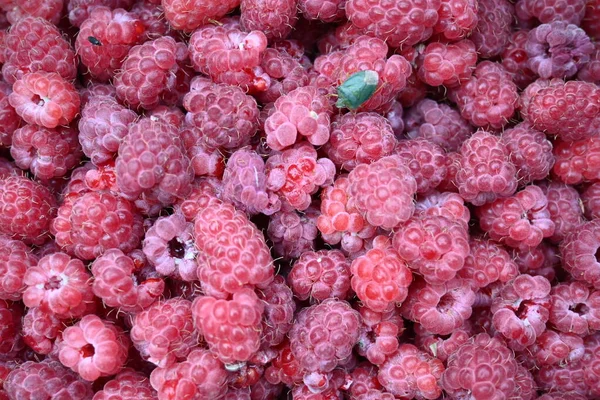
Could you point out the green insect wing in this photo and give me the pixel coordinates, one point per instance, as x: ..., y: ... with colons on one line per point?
x: 357, y: 89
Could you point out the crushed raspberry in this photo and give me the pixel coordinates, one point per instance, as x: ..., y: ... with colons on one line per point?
x: 293, y: 232
x: 494, y: 21
x: 15, y: 259
x: 577, y: 161
x: 449, y: 65
x: 275, y: 19
x: 40, y: 329
x: 188, y: 15
x: 426, y: 161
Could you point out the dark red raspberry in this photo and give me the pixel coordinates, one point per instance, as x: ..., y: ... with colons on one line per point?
x: 286, y: 71
x: 564, y: 205
x: 494, y: 26
x: 578, y: 161
x: 449, y: 65
x: 188, y: 15
x: 578, y: 251
x: 9, y: 120
x: 293, y: 232
x: 548, y: 11
x: 275, y: 19
x: 530, y: 152
x: 10, y: 329
x: 457, y: 19
x: 487, y: 263
x: 516, y: 61
x: 426, y: 160
x: 590, y: 198
x: 15, y: 259
x: 79, y: 10
x: 127, y: 384
x: 575, y: 308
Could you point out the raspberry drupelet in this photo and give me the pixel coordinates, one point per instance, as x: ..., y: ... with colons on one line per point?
x: 575, y: 308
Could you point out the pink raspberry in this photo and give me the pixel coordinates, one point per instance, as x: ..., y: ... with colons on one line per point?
x: 9, y: 120
x: 152, y: 160
x: 364, y: 381
x: 79, y: 10
x: 127, y: 384
x: 8, y: 168
x: 45, y: 98
x: 457, y: 19
x: 325, y: 11
x: 590, y: 71
x: 104, y: 40
x: 302, y: 112
x: 578, y: 161
x: 323, y: 335
x: 575, y: 308
x: 447, y: 204
x: 439, y: 308
x: 200, y: 376
x: 93, y: 348
x: 426, y: 160
x: 320, y: 275
x: 59, y: 284
x: 489, y: 98
x: 359, y: 138
x: 399, y: 24
x: 90, y: 223
x: 152, y: 18
x: 10, y: 329
x: 487, y: 263
x: 275, y: 19
x: 541, y: 260
x: 152, y: 73
x: 293, y: 233
x: 232, y: 328
x: 564, y: 206
x: 380, y: 277
x: 295, y: 174
x: 26, y: 209
x: 44, y: 50
x: 590, y: 198
x: 556, y: 348
x: 383, y: 191
x: 279, y: 311
x: 230, y: 56
x: 116, y: 283
x: 522, y: 220
x: 578, y: 251
x: 284, y: 367
x: 164, y: 332
x: 441, y: 346
x: 379, y: 336
x: 205, y: 161
x: 15, y: 259
x: 485, y: 172
x: 492, y: 33
x: 286, y: 73
x: 94, y: 89
x: 516, y: 61
x: 412, y: 373
x: 447, y: 65
x: 40, y: 329
x: 48, y: 380
x: 521, y: 309
x: 47, y: 153
x: 50, y: 10
x: 434, y: 246
x: 569, y: 110
x: 530, y: 152
x: 548, y: 11
x: 188, y: 15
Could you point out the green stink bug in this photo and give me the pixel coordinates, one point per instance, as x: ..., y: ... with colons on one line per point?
x: 357, y: 89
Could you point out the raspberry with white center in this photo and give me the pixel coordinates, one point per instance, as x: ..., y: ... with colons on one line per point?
x: 9, y: 120
x: 40, y: 329
x: 426, y: 160
x: 590, y: 198
x: 487, y: 263
x: 380, y: 277
x: 276, y: 19
x: 516, y: 61
x: 293, y: 232
x: 164, y: 332
x: 447, y: 204
x: 380, y: 334
x: 279, y: 311
x: 564, y: 206
x: 457, y: 19
x: 128, y: 384
x: 556, y: 348
x: 494, y: 26
x: 232, y: 328
x: 45, y: 98
x: 59, y: 284
x: 15, y: 259
x: 93, y: 348
x: 530, y: 152
x: 188, y: 15
x: 578, y: 161
x: 447, y: 64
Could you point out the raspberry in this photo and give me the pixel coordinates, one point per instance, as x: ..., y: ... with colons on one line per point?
x: 188, y: 15
x: 379, y: 336
x: 40, y: 329
x: 48, y: 380
x: 541, y: 260
x: 303, y: 111
x: 200, y: 376
x: 564, y: 206
x: 8, y: 168
x: 279, y: 311
x: 485, y: 172
x: 275, y: 19
x: 548, y: 11
x: 10, y: 328
x: 578, y: 161
x: 557, y: 348
x: 530, y: 152
x: 205, y: 161
x: 562, y: 396
x: 285, y: 71
x: 127, y: 384
x: 296, y: 173
x: 320, y: 275
x: 492, y: 33
x: 104, y: 40
x: 293, y: 232
x: 232, y: 328
x: 79, y: 10
x: 26, y: 208
x: 516, y: 61
x: 412, y: 373
x: 169, y: 246
x: 96, y: 89
x: 323, y: 335
x: 60, y: 285
x: 93, y: 348
x: 449, y: 65
x: 47, y: 153
x: 383, y: 191
x: 159, y: 80
x: 590, y: 200
x: 426, y: 161
x: 364, y: 380
x: 567, y: 378
x: 325, y: 11
x: 590, y: 20
x: 522, y: 220
x: 359, y: 138
x: 45, y: 98
x: 284, y: 368
x: 439, y: 308
x: 437, y: 122
x: 453, y: 165
x: 578, y: 251
x: 152, y: 18
x: 487, y: 263
x: 569, y: 110
x: 457, y: 19
x: 399, y: 24
x: 15, y: 259
x: 43, y: 50
x: 521, y: 309
x: 224, y: 115
x: 117, y: 286
x: 230, y: 56
x: 489, y: 98
x: 590, y: 72
x: 441, y: 347
x: 90, y: 223
x: 164, y: 333
x: 9, y: 120
x: 380, y: 277
x: 448, y: 205
x: 152, y: 160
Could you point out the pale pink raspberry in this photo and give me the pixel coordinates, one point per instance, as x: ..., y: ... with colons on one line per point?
x: 487, y: 263
x: 286, y: 71
x: 15, y: 259
x: 426, y: 160
x: 590, y: 198
x: 447, y: 64
x: 293, y: 232
x: 494, y: 26
x: 447, y: 204
x: 530, y: 152
x: 379, y: 337
x: 279, y: 311
x: 9, y: 120
x: 276, y: 19
x: 127, y: 384
x: 40, y: 329
x: 59, y: 284
x: 457, y: 19
x: 564, y: 206
x: 232, y: 328
x: 188, y: 15
x: 575, y: 308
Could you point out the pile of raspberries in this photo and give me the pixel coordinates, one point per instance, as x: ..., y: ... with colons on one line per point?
x: 299, y: 199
